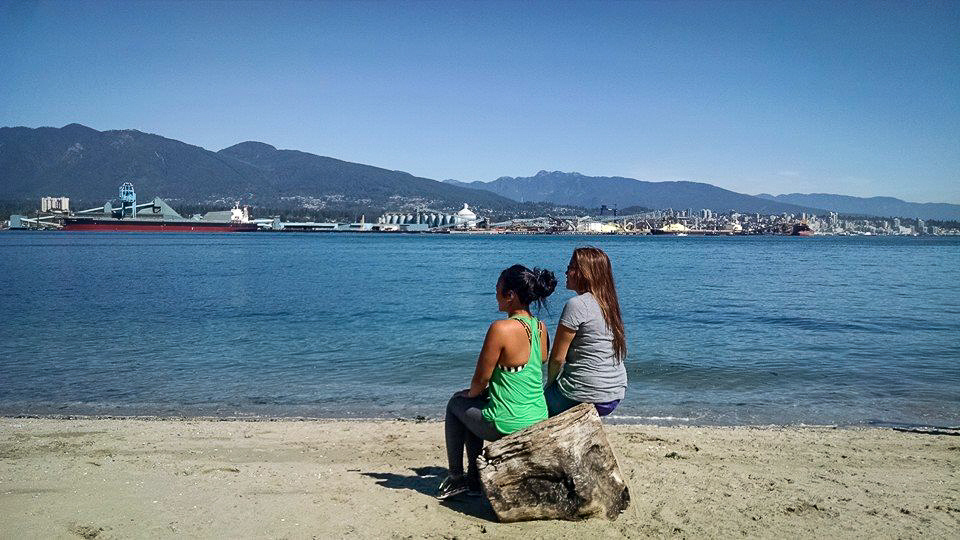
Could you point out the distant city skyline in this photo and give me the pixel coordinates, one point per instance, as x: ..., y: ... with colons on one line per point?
x: 855, y: 99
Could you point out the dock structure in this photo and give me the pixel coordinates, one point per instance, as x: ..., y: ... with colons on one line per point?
x: 278, y: 225
x: 20, y: 222
x: 623, y: 224
x: 128, y: 214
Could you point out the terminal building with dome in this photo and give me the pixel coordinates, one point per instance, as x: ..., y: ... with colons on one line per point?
x: 430, y: 219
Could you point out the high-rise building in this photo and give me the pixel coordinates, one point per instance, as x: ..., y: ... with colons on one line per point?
x: 55, y: 204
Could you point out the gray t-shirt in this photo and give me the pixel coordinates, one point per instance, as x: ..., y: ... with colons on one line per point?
x: 592, y: 373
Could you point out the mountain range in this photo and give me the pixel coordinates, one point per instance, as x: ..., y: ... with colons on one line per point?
x: 594, y: 191
x: 871, y: 206
x: 89, y: 165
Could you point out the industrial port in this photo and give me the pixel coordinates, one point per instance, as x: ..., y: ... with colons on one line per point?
x: 126, y: 214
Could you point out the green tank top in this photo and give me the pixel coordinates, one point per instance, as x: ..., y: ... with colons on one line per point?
x: 516, y: 396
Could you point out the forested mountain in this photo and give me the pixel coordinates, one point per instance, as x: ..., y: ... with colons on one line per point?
x: 89, y: 165
x: 593, y: 191
x: 294, y: 173
x: 871, y: 206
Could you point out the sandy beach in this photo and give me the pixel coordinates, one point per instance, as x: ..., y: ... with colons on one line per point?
x: 123, y: 478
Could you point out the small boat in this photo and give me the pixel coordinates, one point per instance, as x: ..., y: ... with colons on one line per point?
x: 801, y: 229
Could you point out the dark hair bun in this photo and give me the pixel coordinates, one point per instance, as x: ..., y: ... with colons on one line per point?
x: 546, y: 282
x: 530, y: 286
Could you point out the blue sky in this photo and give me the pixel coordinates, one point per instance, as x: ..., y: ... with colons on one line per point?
x: 857, y: 98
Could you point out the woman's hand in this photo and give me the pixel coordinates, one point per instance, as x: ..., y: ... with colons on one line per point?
x: 467, y: 393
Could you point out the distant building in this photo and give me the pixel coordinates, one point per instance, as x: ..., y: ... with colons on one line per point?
x: 426, y: 219
x: 466, y: 218
x: 674, y: 228
x: 591, y: 226
x: 606, y: 210
x: 55, y: 204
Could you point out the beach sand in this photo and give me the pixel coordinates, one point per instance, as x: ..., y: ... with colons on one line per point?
x: 112, y: 478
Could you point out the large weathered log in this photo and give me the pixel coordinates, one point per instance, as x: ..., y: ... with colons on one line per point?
x: 561, y: 468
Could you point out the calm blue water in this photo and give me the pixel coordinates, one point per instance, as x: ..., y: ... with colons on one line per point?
x: 739, y: 330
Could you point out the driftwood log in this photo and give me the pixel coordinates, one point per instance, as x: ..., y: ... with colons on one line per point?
x: 561, y: 468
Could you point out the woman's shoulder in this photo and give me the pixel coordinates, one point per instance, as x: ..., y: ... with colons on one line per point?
x: 501, y: 325
x: 585, y: 299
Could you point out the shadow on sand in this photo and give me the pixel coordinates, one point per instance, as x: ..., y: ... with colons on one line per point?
x: 425, y: 480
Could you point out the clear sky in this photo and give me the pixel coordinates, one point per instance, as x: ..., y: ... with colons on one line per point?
x: 857, y: 98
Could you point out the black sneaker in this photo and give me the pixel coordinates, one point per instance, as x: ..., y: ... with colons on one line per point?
x: 473, y: 488
x: 452, y: 486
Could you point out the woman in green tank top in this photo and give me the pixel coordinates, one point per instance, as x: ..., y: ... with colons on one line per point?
x: 506, y: 392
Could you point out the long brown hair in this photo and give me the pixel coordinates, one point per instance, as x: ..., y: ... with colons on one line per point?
x: 594, y: 274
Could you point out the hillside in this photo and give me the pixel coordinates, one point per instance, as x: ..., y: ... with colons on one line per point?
x: 291, y: 173
x: 592, y: 191
x: 89, y: 165
x: 871, y: 206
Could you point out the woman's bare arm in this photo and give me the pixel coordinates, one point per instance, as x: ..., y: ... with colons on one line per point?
x: 561, y: 344
x: 489, y: 355
x: 545, y: 339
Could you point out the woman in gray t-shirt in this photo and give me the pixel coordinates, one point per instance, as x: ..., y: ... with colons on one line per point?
x: 586, y: 364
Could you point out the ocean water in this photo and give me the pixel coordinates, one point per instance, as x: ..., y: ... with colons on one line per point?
x: 731, y: 330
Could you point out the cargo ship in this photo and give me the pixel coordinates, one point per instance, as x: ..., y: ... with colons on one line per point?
x: 154, y: 216
x: 153, y: 225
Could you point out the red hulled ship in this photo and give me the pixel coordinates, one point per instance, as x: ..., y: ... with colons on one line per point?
x: 152, y: 225
x: 155, y: 216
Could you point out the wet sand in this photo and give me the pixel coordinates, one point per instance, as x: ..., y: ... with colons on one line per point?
x: 110, y: 478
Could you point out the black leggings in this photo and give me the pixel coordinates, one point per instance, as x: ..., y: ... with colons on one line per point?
x: 465, y: 426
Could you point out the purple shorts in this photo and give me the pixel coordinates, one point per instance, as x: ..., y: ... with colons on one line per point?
x: 604, y: 409
x: 557, y: 402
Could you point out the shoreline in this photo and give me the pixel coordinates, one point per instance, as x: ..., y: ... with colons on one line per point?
x: 419, y: 419
x: 117, y: 478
